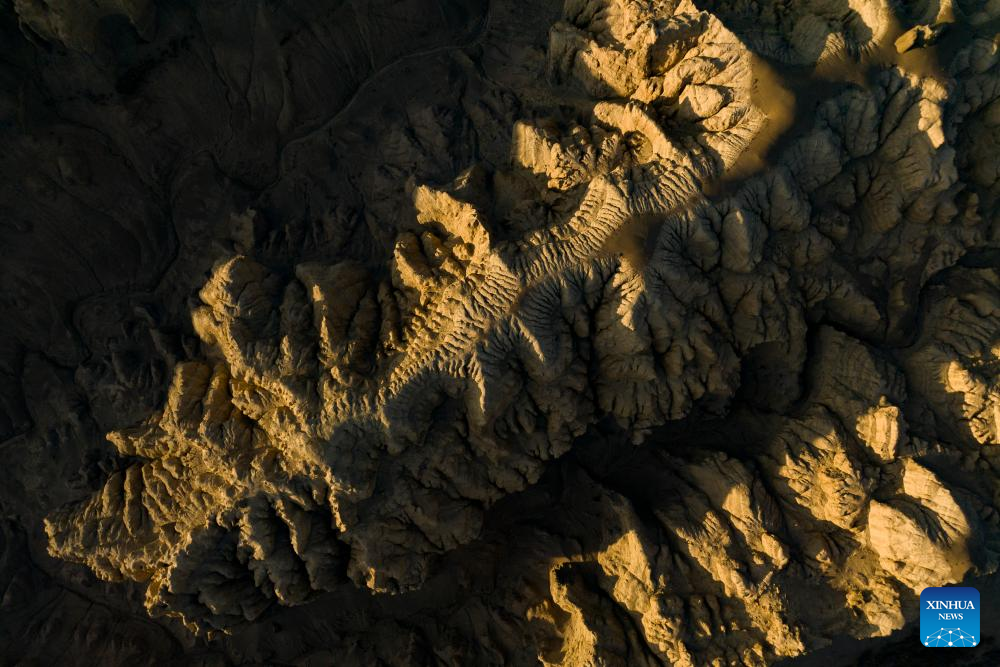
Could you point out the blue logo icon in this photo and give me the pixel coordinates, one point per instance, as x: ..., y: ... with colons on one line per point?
x: 949, y: 617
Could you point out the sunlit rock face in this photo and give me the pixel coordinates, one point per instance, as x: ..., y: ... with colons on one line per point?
x: 605, y: 332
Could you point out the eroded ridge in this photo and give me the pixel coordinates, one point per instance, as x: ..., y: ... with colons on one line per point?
x: 353, y: 425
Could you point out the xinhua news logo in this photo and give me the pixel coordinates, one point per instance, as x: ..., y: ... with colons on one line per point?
x: 949, y: 617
